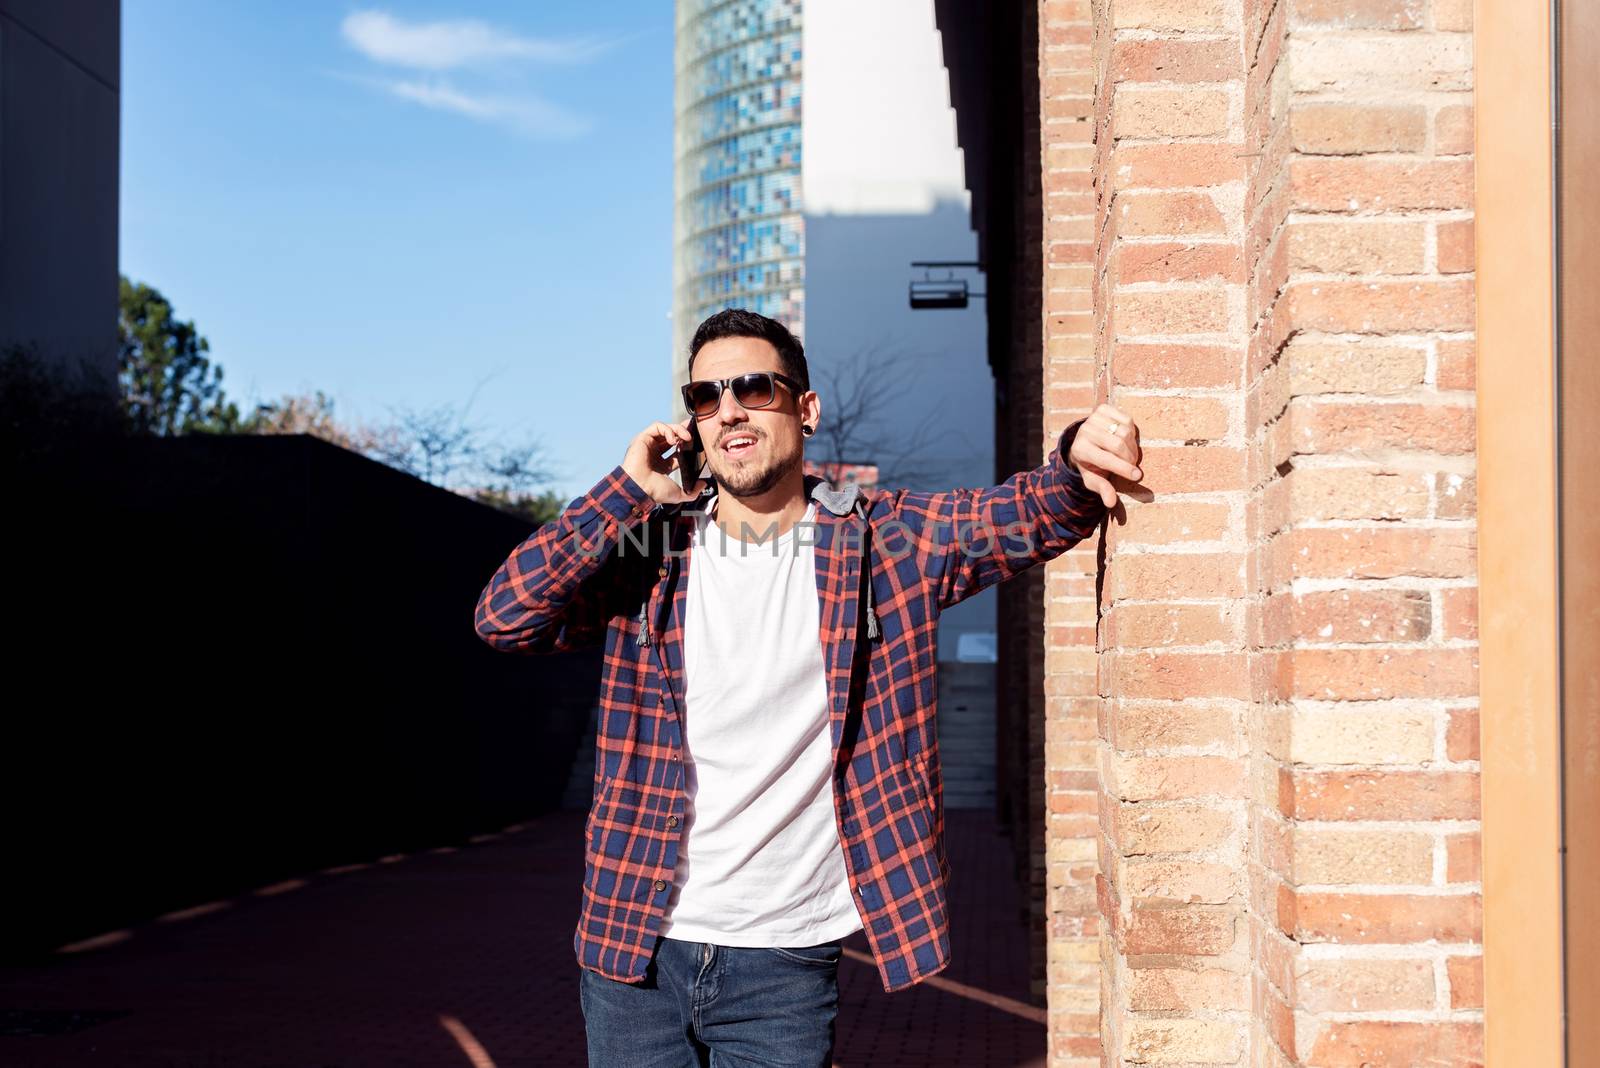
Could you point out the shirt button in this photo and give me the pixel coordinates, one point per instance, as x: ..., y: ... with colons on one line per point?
x: 661, y: 884
x: 672, y: 821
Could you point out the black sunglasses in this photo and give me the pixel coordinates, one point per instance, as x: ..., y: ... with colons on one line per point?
x: 756, y: 389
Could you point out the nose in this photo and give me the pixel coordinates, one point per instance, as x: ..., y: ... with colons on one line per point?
x: 729, y: 410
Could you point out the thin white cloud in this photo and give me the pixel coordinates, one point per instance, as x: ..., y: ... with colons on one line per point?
x: 525, y: 114
x: 454, y: 43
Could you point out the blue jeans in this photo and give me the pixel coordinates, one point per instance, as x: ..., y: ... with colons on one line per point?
x: 709, y: 1006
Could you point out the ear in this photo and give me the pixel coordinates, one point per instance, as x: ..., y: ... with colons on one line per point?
x: 811, y: 408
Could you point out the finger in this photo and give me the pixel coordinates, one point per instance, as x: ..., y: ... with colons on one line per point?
x: 663, y: 436
x: 1113, y: 442
x: 1097, y: 484
x: 1106, y: 425
x: 693, y: 493
x: 1116, y: 420
x: 1109, y: 462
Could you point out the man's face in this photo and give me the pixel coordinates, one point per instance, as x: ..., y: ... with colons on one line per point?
x: 773, y: 433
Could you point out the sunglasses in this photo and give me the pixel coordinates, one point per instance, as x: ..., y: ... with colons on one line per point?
x: 757, y: 389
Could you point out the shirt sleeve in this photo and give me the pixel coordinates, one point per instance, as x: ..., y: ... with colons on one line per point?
x: 968, y: 539
x: 555, y: 592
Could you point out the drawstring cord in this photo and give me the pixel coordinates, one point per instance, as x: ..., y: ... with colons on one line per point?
x: 874, y: 632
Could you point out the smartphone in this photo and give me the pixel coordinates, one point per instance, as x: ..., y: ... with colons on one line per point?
x: 690, y: 459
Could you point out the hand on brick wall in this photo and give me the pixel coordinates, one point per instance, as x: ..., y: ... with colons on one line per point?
x: 1106, y: 444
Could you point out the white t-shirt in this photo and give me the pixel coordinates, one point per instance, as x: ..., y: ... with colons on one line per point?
x: 760, y: 863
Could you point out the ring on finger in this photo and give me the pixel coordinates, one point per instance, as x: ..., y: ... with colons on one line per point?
x: 1116, y: 427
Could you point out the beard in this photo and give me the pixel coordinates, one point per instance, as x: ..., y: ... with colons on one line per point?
x: 753, y: 479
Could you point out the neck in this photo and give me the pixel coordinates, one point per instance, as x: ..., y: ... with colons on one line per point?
x: 781, y: 507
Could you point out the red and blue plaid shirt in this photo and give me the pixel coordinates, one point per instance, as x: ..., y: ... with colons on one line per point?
x: 612, y: 568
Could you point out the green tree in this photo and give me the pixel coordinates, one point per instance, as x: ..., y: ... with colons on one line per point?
x: 168, y: 385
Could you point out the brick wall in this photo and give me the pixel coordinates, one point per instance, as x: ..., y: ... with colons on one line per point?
x: 1280, y: 290
x: 1071, y: 924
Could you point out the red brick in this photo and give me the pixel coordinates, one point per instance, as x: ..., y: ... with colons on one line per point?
x: 1456, y: 252
x: 1183, y: 418
x: 1370, y: 919
x: 1158, y: 726
x: 1178, y: 576
x: 1347, y: 129
x: 1196, y: 930
x: 1144, y: 829
x: 1452, y: 15
x: 1164, y: 522
x: 1356, y: 552
x: 1456, y: 495
x: 1143, y: 626
x: 1382, y: 307
x: 1192, y: 468
x: 1169, y: 15
x: 1340, y: 426
x: 1169, y: 366
x: 1368, y: 491
x: 1175, y: 778
x: 1385, y: 1043
x: 1387, y: 615
x: 1349, y: 247
x: 1369, y: 674
x: 1466, y: 981
x: 1458, y: 364
x: 1362, y: 985
x: 1462, y: 859
x: 1174, y: 676
x: 1452, y: 130
x: 1059, y: 36
x: 1353, y: 184
x: 1460, y: 613
x: 1166, y: 215
x: 1183, y: 989
x: 1168, y: 60
x: 1358, y: 14
x: 1157, y: 112
x: 1380, y: 795
x: 1183, y: 163
x: 1171, y: 311
x: 1365, y: 366
x: 1186, y: 261
x: 1067, y: 83
x: 1378, y: 65
x: 1461, y: 737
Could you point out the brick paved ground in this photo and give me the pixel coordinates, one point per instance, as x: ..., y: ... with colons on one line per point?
x: 464, y: 957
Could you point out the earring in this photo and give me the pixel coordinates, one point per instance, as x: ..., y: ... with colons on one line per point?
x: 807, y: 429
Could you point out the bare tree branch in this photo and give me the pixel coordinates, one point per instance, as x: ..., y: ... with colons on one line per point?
x: 851, y: 432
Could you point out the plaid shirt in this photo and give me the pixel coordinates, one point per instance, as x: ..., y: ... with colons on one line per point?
x: 612, y: 568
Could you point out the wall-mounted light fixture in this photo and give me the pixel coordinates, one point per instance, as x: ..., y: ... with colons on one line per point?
x: 947, y: 291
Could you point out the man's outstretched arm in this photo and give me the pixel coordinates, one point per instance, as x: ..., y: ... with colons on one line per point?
x: 969, y: 539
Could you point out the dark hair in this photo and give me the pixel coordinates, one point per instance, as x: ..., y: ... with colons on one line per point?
x: 737, y: 322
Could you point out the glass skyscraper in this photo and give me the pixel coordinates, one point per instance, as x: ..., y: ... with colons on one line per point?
x: 738, y: 234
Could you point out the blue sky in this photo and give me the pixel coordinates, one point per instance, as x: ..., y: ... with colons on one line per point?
x: 414, y: 204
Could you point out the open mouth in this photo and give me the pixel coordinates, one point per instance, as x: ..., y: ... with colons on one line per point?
x: 737, y: 445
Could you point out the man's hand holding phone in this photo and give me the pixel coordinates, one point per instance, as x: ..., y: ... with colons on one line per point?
x: 647, y: 463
